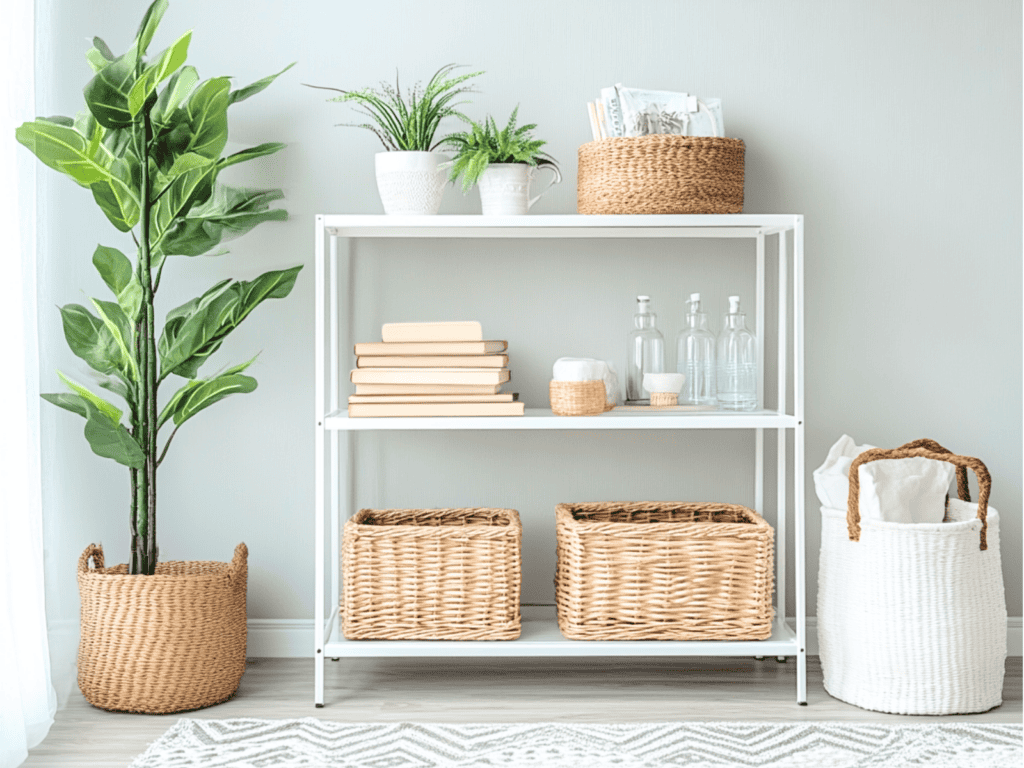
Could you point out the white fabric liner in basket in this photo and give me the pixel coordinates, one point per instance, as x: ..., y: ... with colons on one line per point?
x: 912, y: 617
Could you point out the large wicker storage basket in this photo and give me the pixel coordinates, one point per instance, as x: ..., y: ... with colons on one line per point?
x: 169, y: 642
x: 912, y: 616
x: 661, y: 174
x: 432, y: 574
x: 663, y: 571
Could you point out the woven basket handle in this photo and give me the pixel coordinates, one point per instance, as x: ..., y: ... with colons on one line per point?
x: 961, y: 472
x: 238, y: 562
x: 94, y: 551
x: 966, y: 462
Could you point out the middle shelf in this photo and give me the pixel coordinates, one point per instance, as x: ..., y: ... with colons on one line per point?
x: 543, y: 418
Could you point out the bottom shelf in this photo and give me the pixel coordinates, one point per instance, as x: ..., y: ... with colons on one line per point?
x: 541, y: 637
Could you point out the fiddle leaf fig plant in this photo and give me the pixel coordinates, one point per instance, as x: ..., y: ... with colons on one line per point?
x: 149, y: 147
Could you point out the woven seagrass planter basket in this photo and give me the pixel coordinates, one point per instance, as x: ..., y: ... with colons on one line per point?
x: 432, y: 574
x: 661, y: 174
x: 169, y: 642
x: 663, y: 571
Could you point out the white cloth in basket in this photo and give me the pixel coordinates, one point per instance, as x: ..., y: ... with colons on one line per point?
x: 911, y: 490
x: 894, y: 490
x: 832, y: 479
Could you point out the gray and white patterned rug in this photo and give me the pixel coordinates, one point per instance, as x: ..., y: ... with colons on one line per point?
x: 312, y: 743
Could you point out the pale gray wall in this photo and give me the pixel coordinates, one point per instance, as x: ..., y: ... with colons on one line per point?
x: 895, y: 128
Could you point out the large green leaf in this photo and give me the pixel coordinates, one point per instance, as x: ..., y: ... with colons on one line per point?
x: 109, y: 410
x: 166, y: 64
x: 89, y: 162
x: 147, y: 27
x: 178, y: 88
x: 195, y: 330
x: 107, y: 438
x: 112, y: 441
x: 199, y: 394
x: 74, y: 403
x: 116, y: 271
x: 189, y: 182
x: 228, y: 213
x: 107, y: 93
x: 123, y: 332
x: 252, y: 153
x: 251, y: 90
x: 207, y: 114
x: 89, y: 338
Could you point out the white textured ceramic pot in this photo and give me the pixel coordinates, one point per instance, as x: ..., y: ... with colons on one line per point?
x: 411, y: 183
x: 505, y: 188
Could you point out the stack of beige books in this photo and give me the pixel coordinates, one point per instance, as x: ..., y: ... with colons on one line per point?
x: 432, y: 369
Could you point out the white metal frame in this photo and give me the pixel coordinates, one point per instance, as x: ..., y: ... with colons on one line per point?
x: 540, y: 635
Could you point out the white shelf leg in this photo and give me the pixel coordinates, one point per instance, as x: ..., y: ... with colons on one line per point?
x: 336, y: 458
x: 320, y: 511
x: 798, y: 458
x: 781, y: 472
x: 759, y: 320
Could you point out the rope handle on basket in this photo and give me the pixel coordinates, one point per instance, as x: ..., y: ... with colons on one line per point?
x: 238, y: 562
x: 904, y: 452
x: 94, y: 551
x: 961, y: 472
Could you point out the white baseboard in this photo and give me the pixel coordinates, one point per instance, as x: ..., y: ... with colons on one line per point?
x: 293, y: 638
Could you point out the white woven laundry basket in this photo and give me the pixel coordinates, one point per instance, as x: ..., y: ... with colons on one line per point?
x: 912, y: 617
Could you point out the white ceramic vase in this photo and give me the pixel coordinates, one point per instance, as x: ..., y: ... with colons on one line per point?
x: 505, y: 188
x: 411, y: 183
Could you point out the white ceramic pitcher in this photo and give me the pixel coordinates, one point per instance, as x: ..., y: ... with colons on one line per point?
x: 505, y: 188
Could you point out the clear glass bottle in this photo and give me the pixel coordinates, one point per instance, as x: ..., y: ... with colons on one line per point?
x: 695, y: 357
x: 645, y: 351
x: 737, y: 362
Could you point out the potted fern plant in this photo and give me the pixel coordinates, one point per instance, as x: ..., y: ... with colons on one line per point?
x: 411, y: 173
x: 502, y: 163
x: 156, y: 636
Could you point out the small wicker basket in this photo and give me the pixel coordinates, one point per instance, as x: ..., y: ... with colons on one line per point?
x: 432, y: 574
x: 578, y: 398
x: 661, y: 174
x: 169, y: 642
x: 663, y: 571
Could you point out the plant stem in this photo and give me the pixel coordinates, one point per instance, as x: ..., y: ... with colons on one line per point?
x: 147, y: 369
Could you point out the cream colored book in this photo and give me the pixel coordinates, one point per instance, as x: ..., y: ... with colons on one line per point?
x: 502, y: 397
x: 459, y: 330
x: 430, y: 348
x: 430, y: 375
x: 432, y: 361
x: 435, y: 409
x: 427, y: 389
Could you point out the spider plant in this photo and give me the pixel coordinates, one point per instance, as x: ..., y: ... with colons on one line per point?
x: 409, y: 122
x: 484, y: 144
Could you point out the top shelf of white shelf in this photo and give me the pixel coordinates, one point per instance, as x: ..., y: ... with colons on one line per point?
x: 740, y: 225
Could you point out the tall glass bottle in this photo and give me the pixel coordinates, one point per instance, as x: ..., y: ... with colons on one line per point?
x: 737, y: 362
x: 695, y: 357
x: 645, y: 350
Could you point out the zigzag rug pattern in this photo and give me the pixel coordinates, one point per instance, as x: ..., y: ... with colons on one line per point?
x: 312, y: 743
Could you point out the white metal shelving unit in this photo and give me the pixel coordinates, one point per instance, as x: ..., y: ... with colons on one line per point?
x: 540, y: 635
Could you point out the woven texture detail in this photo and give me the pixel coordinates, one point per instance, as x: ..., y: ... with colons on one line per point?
x: 169, y: 642
x: 663, y: 571
x: 661, y: 174
x: 912, y: 617
x: 432, y: 574
x: 661, y: 399
x: 578, y: 398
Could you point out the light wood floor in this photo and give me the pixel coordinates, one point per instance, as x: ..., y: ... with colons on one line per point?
x: 483, y: 690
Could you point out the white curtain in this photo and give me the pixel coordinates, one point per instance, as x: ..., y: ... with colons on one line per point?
x: 27, y: 697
